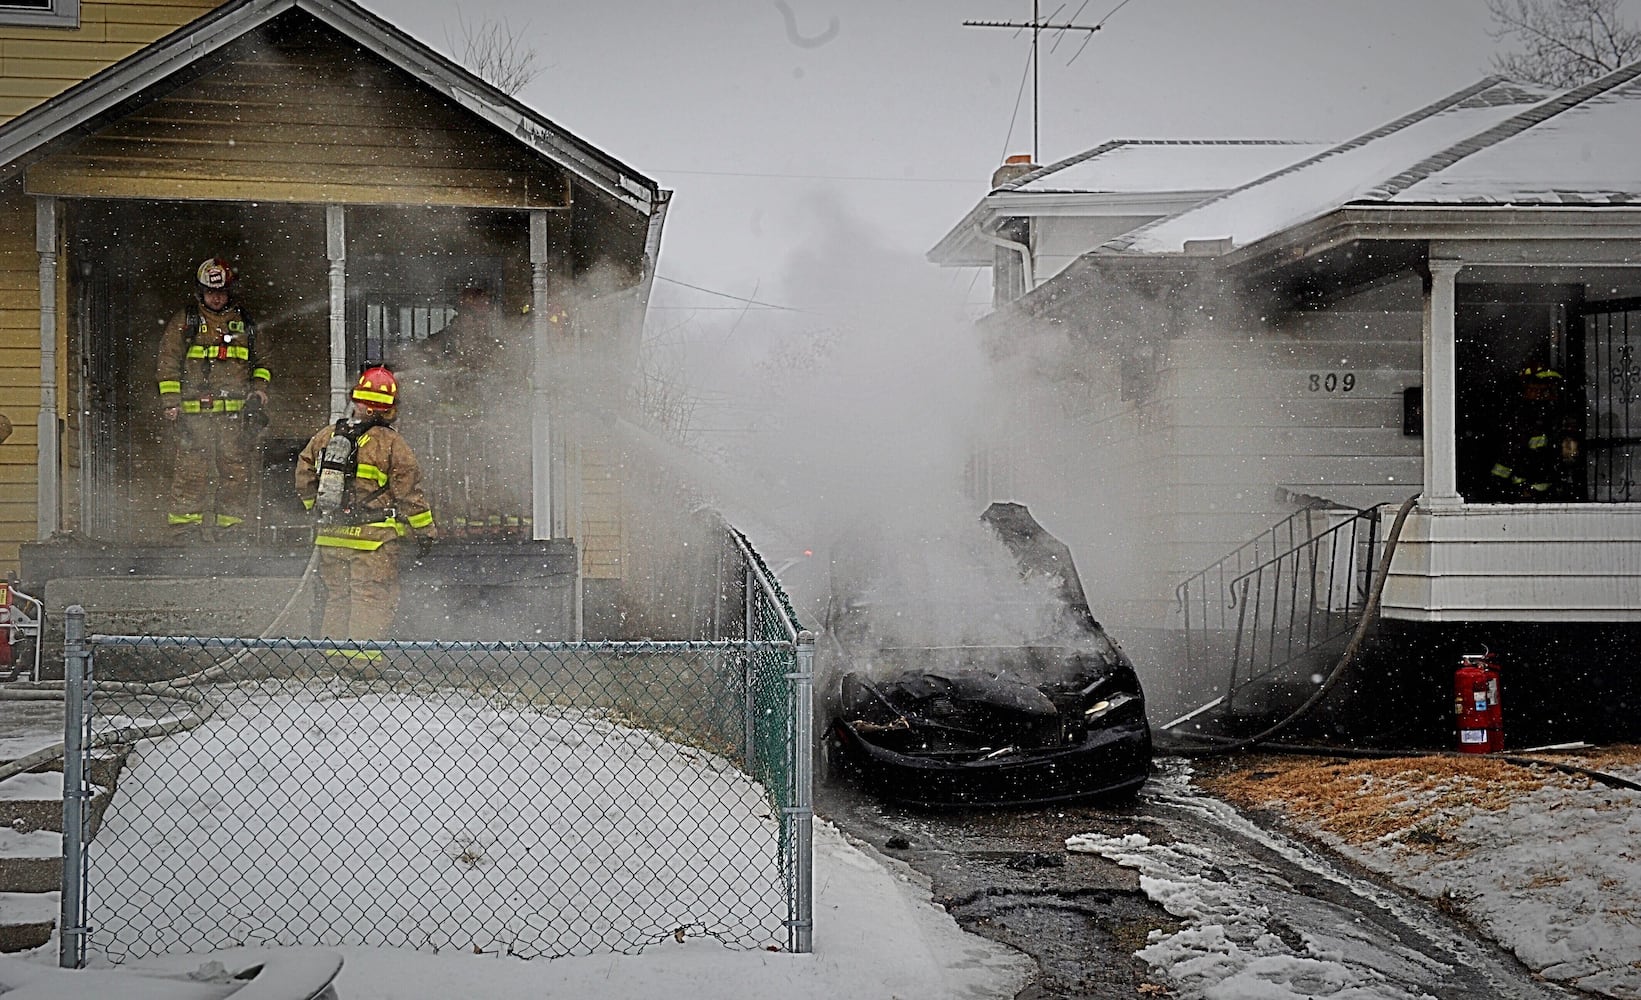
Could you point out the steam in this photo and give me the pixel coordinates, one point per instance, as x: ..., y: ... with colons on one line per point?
x: 869, y: 407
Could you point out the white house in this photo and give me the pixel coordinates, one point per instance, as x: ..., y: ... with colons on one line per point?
x: 1348, y: 330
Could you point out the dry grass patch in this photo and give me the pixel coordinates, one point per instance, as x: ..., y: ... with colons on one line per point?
x: 1620, y: 758
x: 1360, y: 801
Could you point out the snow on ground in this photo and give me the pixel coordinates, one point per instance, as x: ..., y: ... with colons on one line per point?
x: 1546, y: 864
x: 433, y: 821
x: 877, y: 935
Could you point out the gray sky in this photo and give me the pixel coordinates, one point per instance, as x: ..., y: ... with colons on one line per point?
x: 890, y: 113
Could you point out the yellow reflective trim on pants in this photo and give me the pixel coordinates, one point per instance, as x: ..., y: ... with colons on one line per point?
x: 358, y: 544
x: 228, y: 520
x: 217, y: 406
x: 185, y: 519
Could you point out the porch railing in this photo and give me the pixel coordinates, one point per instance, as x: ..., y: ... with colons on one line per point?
x: 1280, y: 611
x: 1202, y: 598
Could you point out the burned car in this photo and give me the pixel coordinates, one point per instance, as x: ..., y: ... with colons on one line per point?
x: 1058, y: 717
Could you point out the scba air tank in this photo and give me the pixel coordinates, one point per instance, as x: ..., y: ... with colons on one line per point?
x: 337, y: 467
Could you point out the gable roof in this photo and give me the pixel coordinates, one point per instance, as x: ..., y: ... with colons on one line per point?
x: 1142, y: 166
x: 68, y: 113
x: 1132, y: 177
x: 1346, y: 173
x: 1579, y: 148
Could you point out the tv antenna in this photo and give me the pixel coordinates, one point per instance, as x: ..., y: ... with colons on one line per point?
x: 1037, y: 26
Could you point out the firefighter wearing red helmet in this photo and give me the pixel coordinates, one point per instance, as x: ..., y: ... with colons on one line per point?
x: 213, y: 381
x: 364, y: 483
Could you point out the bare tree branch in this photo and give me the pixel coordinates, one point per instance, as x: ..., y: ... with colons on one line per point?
x: 1562, y: 43
x: 496, y: 53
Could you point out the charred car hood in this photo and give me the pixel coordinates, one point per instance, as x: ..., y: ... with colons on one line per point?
x: 1000, y: 725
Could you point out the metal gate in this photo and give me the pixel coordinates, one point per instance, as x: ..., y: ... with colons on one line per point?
x: 538, y: 799
x: 1611, y: 347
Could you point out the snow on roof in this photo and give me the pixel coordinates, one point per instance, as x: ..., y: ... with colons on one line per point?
x: 1580, y: 148
x: 1142, y: 166
x: 1120, y: 174
x: 1345, y: 173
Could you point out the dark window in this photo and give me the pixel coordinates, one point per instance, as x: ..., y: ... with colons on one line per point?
x: 41, y: 13
x: 393, y: 322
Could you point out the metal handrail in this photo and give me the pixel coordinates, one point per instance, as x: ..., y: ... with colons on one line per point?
x: 1255, y: 652
x: 1370, y: 514
x: 1286, y: 606
x: 1205, y: 614
x: 1266, y: 537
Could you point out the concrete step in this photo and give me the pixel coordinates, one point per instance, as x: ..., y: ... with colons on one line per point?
x: 31, y: 873
x: 27, y: 726
x: 30, y: 862
x: 216, y: 605
x: 34, y: 801
x: 27, y: 919
x: 31, y: 848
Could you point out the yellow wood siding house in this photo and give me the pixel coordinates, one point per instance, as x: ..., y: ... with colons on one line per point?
x: 359, y: 182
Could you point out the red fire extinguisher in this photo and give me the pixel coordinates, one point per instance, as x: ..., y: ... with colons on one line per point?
x: 1476, y: 704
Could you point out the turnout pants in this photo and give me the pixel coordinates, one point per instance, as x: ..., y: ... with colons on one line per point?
x: 361, y: 591
x: 207, y: 442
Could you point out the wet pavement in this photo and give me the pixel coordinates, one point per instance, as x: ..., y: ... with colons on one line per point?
x: 1007, y: 875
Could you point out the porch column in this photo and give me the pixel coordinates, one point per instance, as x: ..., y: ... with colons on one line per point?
x: 1440, y: 388
x: 48, y: 464
x: 336, y: 249
x: 546, y: 513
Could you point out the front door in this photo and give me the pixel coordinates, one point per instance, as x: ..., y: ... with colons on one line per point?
x: 108, y: 421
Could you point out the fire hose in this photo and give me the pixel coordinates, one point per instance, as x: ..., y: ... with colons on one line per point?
x: 187, y: 688
x: 1215, y: 746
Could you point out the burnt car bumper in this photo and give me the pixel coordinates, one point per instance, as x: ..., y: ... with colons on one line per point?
x: 1111, y: 762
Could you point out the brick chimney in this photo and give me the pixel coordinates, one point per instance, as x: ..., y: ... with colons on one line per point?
x: 1016, y: 166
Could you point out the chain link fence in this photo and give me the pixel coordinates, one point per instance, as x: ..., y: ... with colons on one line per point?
x: 537, y: 799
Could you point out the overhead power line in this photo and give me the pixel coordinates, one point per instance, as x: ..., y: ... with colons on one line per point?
x: 821, y: 177
x: 727, y: 295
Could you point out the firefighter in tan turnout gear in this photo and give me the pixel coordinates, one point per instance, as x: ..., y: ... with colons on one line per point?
x: 213, y: 380
x: 362, y: 479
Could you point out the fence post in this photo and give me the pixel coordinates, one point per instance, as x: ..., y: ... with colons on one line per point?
x: 71, y: 919
x: 803, y: 804
x: 749, y: 674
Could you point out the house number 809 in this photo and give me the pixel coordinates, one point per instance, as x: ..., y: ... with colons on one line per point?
x: 1333, y: 382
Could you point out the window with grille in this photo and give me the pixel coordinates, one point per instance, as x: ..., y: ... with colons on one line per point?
x: 393, y: 322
